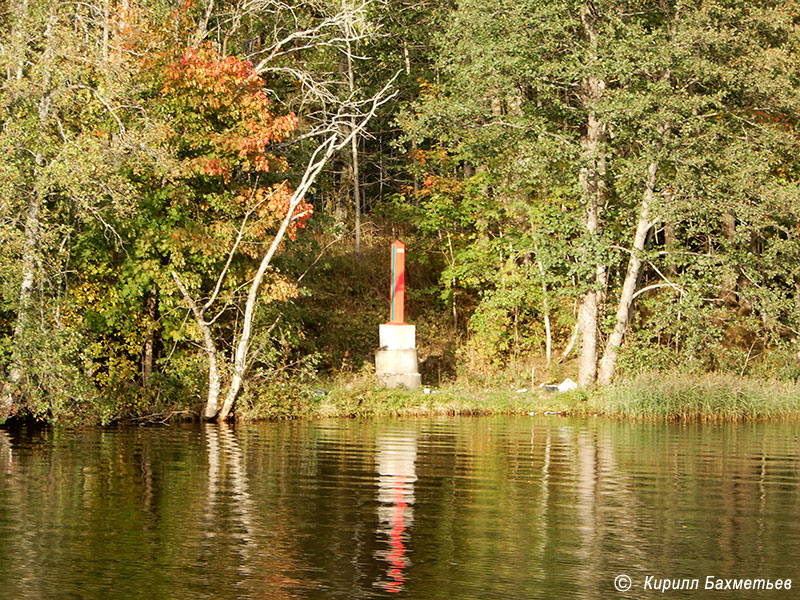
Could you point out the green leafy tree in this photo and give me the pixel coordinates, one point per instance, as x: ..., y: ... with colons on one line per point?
x: 64, y: 136
x: 655, y: 128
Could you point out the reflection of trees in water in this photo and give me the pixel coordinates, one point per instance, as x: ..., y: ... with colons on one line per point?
x: 555, y: 504
x: 226, y: 474
x: 718, y: 476
x: 662, y: 495
x: 543, y: 508
x: 606, y: 521
x: 250, y: 544
x: 6, y: 454
x: 17, y: 552
x: 396, y: 453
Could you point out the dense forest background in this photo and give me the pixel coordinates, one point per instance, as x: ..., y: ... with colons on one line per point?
x: 197, y: 198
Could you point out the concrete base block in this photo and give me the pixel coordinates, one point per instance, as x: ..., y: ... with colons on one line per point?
x: 390, y: 362
x: 396, y: 368
x: 394, y: 336
x: 412, y: 381
x: 396, y: 362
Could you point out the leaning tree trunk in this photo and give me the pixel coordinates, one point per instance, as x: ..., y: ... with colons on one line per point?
x: 212, y: 401
x: 593, y: 183
x: 240, y: 356
x: 643, y: 226
x: 242, y: 348
x: 318, y: 160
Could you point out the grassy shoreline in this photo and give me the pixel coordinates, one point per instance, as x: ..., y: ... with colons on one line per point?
x: 710, y: 397
x: 652, y: 397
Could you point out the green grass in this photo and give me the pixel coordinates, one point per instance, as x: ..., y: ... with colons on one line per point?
x: 363, y: 396
x: 648, y: 397
x: 710, y: 397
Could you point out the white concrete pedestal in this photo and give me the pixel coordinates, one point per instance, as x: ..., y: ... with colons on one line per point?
x: 396, y: 360
x: 397, y: 336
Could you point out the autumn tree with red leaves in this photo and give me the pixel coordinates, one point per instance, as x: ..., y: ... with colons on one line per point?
x: 221, y: 131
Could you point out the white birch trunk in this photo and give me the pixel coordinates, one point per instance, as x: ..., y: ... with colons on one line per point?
x: 32, y: 222
x: 594, y: 192
x: 587, y: 325
x: 643, y: 226
x: 545, y: 300
x: 240, y: 355
x: 593, y: 183
x: 318, y: 160
x: 546, y: 310
x: 17, y: 370
x: 212, y: 401
x: 573, y: 338
x: 354, y: 155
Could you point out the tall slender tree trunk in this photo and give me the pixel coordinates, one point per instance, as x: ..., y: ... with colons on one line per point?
x: 354, y: 155
x: 32, y: 220
x: 609, y: 362
x: 587, y: 325
x: 106, y: 29
x: 546, y: 311
x: 243, y: 346
x: 18, y: 39
x: 32, y: 228
x: 593, y: 183
x: 17, y: 370
x: 212, y: 401
x: 202, y: 25
x: 545, y: 299
x: 149, y: 348
x: 415, y: 181
x: 670, y: 243
x: 356, y: 192
x: 570, y: 344
x: 319, y: 158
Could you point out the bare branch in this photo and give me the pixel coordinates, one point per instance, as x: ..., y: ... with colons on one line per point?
x: 105, y: 103
x: 239, y: 237
x: 318, y: 159
x: 656, y: 286
x: 211, y: 350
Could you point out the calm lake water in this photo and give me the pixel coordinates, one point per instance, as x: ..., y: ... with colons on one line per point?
x: 430, y: 508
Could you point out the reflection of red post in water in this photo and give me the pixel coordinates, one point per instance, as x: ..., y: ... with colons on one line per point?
x: 396, y: 556
x: 397, y: 451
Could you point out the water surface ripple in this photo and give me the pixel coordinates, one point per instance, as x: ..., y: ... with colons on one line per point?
x: 422, y: 508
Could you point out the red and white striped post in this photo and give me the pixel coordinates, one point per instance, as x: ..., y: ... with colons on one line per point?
x: 398, y: 292
x: 396, y: 360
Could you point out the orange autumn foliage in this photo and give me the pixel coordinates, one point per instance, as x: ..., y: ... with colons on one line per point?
x: 224, y: 127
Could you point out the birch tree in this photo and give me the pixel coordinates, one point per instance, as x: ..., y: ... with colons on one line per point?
x: 332, y: 142
x: 627, y: 115
x: 286, y: 208
x: 63, y: 136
